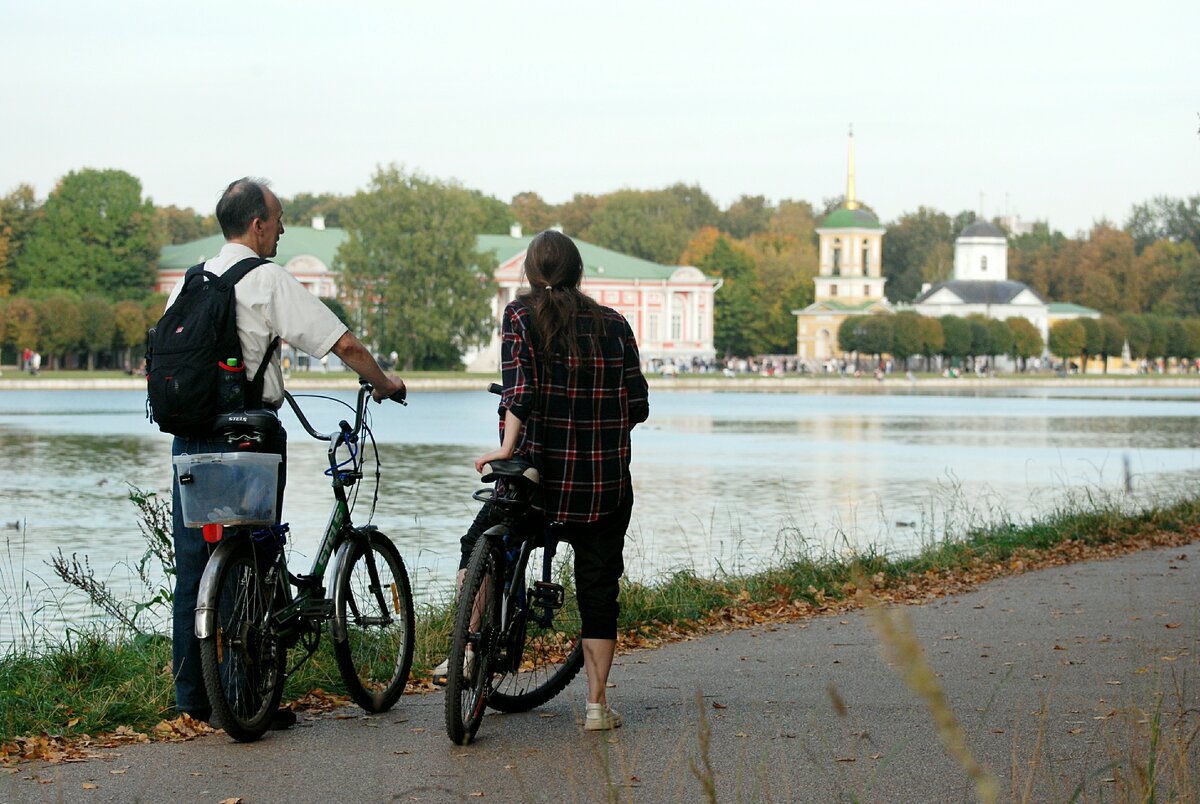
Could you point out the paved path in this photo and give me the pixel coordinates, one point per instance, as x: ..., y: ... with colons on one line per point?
x: 1076, y: 653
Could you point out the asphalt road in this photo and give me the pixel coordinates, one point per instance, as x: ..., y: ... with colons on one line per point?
x: 1051, y: 675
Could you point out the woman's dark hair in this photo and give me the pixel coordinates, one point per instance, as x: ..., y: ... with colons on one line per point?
x: 567, y: 321
x: 242, y: 202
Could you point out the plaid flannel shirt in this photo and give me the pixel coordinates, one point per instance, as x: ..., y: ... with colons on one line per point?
x: 577, y: 417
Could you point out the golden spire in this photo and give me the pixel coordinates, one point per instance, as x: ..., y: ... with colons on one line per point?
x: 850, y: 202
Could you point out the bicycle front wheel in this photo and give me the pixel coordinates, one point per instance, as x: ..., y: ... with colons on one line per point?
x: 542, y: 647
x: 375, y: 614
x: 243, y: 661
x: 473, y: 642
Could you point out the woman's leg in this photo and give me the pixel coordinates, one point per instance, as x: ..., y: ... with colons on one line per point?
x: 597, y: 661
x: 599, y: 564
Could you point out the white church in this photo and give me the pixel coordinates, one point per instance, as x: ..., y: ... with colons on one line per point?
x: 981, y: 283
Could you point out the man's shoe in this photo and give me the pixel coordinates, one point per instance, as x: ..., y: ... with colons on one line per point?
x: 283, y: 719
x: 601, y: 717
x: 441, y: 672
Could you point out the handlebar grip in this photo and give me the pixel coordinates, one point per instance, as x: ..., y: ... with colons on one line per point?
x: 399, y: 396
x: 495, y: 388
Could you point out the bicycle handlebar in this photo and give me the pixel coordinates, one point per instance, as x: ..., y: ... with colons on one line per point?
x: 345, y: 431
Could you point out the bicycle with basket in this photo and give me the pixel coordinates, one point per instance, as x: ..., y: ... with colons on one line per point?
x: 248, y: 618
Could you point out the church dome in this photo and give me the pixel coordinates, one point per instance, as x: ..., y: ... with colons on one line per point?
x: 858, y: 218
x: 982, y: 228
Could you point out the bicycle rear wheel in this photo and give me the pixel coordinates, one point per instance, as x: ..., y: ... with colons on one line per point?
x: 375, y: 613
x: 542, y: 651
x: 243, y: 661
x: 472, y: 643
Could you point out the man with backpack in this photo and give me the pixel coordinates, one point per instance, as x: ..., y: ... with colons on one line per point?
x: 269, y: 304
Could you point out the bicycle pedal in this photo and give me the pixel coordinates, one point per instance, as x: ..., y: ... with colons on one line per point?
x: 306, y: 581
x: 317, y: 608
x: 548, y: 595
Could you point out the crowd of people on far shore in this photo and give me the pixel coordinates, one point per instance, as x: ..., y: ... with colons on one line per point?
x: 781, y: 365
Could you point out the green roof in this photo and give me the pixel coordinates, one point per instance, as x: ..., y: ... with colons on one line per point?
x: 296, y: 241
x: 842, y: 218
x: 323, y: 244
x: 597, y: 261
x: 1067, y: 308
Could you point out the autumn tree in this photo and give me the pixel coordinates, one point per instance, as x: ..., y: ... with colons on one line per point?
x: 177, y: 225
x: 1163, y: 218
x: 96, y: 235
x: 736, y: 324
x: 1113, y: 333
x: 576, y: 215
x: 748, y: 215
x: 300, y: 209
x: 1137, y: 334
x: 907, y: 339
x: 98, y: 326
x: 918, y: 248
x: 655, y: 225
x: 1026, y: 341
x: 411, y: 269
x: 534, y: 214
x: 933, y: 338
x: 1093, y: 341
x: 956, y: 337
x: 18, y: 212
x: 873, y: 334
x: 1001, y: 336
x: 60, y: 326
x: 130, y: 329
x: 1067, y: 339
x: 22, y: 323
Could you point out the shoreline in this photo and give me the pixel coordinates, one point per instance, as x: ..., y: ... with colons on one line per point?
x: 749, y: 384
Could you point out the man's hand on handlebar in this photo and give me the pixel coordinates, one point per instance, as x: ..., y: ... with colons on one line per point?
x: 396, y: 392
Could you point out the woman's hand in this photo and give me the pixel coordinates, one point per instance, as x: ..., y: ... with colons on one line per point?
x: 495, y: 455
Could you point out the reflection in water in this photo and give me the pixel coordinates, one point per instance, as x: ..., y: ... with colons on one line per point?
x: 722, y: 480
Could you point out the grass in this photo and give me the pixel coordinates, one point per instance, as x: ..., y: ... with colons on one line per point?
x: 94, y: 682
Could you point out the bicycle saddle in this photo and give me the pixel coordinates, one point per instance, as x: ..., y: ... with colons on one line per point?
x: 246, y: 425
x: 512, y: 469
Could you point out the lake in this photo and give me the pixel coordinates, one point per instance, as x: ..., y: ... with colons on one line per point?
x: 724, y: 481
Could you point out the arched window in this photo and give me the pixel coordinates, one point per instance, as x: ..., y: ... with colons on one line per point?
x: 866, y: 258
x: 837, y: 257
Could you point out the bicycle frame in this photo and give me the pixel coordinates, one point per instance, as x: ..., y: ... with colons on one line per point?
x: 338, y: 536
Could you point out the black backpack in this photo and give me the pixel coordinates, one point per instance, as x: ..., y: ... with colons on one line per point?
x: 194, y: 366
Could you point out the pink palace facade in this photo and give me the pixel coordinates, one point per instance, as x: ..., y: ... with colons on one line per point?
x: 670, y: 308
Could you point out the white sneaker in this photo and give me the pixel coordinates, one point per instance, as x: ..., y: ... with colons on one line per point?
x: 442, y: 672
x: 601, y: 717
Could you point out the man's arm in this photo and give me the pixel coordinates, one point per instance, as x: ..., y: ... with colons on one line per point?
x: 350, y: 351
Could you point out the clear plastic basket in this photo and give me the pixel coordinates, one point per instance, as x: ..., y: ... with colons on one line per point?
x: 228, y: 488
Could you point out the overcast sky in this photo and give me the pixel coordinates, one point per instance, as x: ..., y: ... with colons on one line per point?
x: 1069, y: 112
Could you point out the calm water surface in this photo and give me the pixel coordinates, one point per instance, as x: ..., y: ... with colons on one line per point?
x: 722, y: 480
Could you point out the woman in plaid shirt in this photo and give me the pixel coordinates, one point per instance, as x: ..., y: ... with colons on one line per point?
x: 573, y: 391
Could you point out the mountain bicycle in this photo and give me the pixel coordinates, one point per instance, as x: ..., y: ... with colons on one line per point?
x: 248, y: 619
x: 516, y: 638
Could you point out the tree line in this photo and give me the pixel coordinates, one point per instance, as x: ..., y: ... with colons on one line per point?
x: 412, y: 280
x: 974, y: 341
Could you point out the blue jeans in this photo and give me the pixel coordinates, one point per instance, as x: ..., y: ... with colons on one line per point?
x: 191, y: 555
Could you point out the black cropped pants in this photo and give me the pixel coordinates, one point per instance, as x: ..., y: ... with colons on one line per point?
x: 599, y: 563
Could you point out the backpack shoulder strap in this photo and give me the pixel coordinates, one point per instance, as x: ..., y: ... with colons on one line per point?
x: 239, y: 270
x: 195, y: 274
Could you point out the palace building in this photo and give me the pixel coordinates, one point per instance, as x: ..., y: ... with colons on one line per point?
x: 669, y: 307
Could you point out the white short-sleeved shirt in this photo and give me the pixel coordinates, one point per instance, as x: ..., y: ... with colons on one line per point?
x: 270, y: 303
